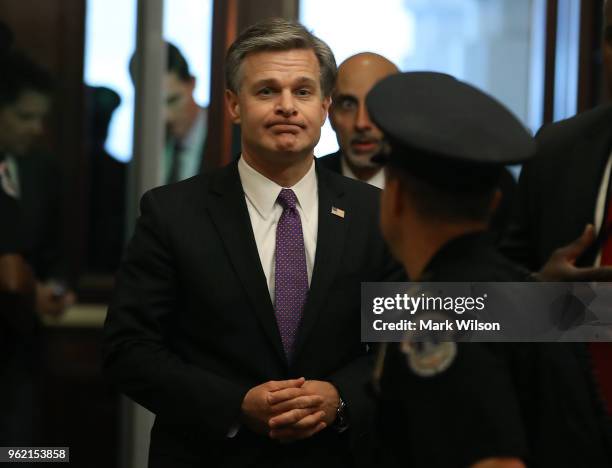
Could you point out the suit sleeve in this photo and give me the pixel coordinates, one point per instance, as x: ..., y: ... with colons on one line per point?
x: 354, y: 380
x: 137, y: 356
x: 519, y: 241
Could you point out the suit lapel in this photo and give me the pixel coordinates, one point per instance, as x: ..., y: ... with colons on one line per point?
x: 331, y: 234
x: 230, y: 215
x: 337, y: 162
x: 584, y: 177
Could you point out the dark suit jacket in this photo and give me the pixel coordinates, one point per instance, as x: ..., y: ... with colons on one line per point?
x: 192, y: 328
x: 40, y: 186
x: 556, y: 199
x: 332, y: 161
x: 507, y: 185
x: 558, y: 189
x: 10, y: 214
x: 19, y: 333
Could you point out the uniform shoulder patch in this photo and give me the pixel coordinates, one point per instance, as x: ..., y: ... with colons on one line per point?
x: 427, y: 359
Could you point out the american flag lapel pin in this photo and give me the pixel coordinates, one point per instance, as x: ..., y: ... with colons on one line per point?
x: 338, y: 212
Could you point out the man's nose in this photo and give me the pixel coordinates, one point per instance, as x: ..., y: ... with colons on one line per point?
x: 286, y: 104
x: 363, y: 122
x: 169, y: 116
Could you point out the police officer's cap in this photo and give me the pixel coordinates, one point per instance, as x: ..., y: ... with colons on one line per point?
x: 445, y: 131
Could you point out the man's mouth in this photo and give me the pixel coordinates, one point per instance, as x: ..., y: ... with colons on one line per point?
x: 365, y: 145
x: 286, y: 127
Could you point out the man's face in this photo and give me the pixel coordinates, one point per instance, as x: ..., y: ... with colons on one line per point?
x: 22, y: 121
x: 179, y: 105
x: 279, y: 106
x: 359, y: 139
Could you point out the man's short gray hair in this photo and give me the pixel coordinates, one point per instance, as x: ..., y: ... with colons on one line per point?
x: 278, y: 34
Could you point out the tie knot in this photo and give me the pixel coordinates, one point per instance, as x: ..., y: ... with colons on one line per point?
x: 178, y: 146
x: 287, y: 199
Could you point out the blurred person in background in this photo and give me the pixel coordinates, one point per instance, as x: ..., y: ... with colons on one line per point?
x: 185, y: 120
x: 19, y: 324
x: 32, y: 178
x: 359, y: 139
x: 562, y: 224
x: 108, y: 177
x: 19, y: 338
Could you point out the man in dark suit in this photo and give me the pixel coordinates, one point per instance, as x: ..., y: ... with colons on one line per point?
x: 186, y: 120
x: 563, y: 195
x: 563, y: 217
x: 562, y: 224
x: 19, y: 336
x: 559, y: 225
x: 225, y: 323
x: 32, y: 178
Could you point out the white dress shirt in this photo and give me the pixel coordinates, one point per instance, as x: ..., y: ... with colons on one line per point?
x: 264, y: 211
x: 377, y: 180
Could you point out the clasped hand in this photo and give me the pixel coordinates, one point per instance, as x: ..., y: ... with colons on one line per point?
x: 290, y: 410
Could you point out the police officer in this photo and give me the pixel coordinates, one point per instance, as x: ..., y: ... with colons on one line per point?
x: 467, y: 404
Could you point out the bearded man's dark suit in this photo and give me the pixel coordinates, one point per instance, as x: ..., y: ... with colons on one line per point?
x: 192, y: 327
x: 557, y: 195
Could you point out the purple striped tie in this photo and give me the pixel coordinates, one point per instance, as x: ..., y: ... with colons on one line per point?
x: 291, y: 275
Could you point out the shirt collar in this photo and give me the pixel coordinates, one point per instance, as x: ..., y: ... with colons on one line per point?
x: 377, y: 180
x: 263, y: 192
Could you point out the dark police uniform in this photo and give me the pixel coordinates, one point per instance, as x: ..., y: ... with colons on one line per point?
x: 533, y: 401
x: 19, y: 344
x: 9, y: 220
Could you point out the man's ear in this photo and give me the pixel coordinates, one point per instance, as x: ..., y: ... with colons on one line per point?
x: 332, y: 119
x: 233, y: 105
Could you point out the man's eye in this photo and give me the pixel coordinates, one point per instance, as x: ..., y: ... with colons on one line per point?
x: 303, y: 92
x: 265, y: 92
x: 347, y: 105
